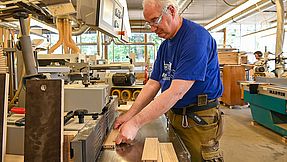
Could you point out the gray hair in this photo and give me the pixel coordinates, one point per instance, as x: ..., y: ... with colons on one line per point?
x: 163, y: 3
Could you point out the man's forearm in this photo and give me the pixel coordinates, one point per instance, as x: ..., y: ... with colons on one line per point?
x: 156, y: 108
x: 162, y: 103
x: 146, y: 95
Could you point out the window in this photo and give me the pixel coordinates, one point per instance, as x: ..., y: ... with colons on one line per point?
x: 118, y: 53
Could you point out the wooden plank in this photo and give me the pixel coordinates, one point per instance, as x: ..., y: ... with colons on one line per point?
x: 150, y: 151
x: 3, y: 65
x: 68, y: 137
x: 62, y: 9
x: 44, y: 121
x: 167, y: 152
x: 1, y: 35
x: 110, y: 140
x: 232, y: 58
x: 6, y: 37
x: 159, y: 156
x: 4, y: 85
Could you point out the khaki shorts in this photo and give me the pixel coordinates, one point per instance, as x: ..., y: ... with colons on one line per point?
x: 202, y: 141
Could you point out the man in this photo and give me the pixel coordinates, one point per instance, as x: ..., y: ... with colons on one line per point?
x: 258, y: 55
x: 187, y: 71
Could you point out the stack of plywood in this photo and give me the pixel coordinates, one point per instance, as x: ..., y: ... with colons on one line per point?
x: 3, y: 62
x: 158, y: 152
x: 232, y: 58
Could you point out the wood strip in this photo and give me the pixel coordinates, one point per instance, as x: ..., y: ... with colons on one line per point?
x: 1, y: 35
x: 44, y: 121
x: 167, y: 152
x: 159, y: 156
x: 110, y: 140
x: 61, y: 9
x: 150, y: 151
x: 4, y: 85
x: 68, y: 137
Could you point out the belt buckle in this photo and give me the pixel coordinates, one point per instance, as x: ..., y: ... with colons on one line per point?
x: 202, y: 100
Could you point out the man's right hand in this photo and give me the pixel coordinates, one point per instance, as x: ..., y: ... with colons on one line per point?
x: 120, y: 120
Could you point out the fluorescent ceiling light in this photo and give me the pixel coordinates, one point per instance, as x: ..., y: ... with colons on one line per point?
x: 231, y: 13
x: 183, y: 4
x: 267, y: 31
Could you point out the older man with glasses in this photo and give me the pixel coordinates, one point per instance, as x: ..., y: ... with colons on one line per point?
x: 187, y: 72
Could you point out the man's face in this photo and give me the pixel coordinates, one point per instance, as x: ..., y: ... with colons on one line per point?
x: 160, y: 20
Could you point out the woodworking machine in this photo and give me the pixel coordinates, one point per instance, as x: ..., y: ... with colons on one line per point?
x: 92, y: 98
x: 87, y: 144
x: 268, y: 102
x: 268, y: 96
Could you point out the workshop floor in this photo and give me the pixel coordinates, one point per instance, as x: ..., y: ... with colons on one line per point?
x: 242, y: 141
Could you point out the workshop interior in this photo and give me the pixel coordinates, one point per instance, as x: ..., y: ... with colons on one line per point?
x: 69, y: 68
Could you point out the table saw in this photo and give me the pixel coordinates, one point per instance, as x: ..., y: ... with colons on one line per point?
x: 268, y: 102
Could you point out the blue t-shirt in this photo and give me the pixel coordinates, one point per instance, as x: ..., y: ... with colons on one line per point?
x: 190, y: 55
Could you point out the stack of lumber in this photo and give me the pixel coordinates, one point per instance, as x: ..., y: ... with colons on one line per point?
x: 158, y: 152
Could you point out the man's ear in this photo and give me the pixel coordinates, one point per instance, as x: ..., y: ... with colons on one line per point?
x: 172, y: 10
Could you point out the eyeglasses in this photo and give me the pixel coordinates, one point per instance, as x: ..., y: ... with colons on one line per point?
x: 155, y: 22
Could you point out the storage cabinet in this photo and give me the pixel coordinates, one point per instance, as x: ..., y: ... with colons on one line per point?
x: 232, y: 92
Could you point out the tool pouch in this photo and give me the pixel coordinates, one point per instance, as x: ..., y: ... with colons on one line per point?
x: 210, y: 147
x: 212, y: 153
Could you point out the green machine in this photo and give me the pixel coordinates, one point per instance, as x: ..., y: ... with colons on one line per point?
x: 268, y: 102
x: 268, y: 96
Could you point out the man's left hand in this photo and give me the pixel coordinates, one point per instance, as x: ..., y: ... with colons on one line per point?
x: 128, y: 132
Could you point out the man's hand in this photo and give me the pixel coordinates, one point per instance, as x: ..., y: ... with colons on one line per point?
x: 121, y: 120
x: 128, y: 132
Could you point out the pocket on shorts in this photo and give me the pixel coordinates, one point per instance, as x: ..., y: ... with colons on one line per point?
x: 212, y: 153
x: 210, y: 131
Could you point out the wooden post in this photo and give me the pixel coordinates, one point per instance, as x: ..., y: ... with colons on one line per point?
x: 4, y: 86
x: 224, y: 38
x: 145, y: 50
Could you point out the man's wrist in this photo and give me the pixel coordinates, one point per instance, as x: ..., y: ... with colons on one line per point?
x: 136, y: 120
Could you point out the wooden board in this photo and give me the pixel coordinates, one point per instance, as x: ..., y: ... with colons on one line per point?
x: 159, y: 156
x: 231, y: 58
x: 3, y: 64
x: 44, y: 121
x: 68, y: 137
x: 4, y: 85
x: 62, y: 9
x: 167, y: 152
x: 110, y: 140
x: 150, y: 151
